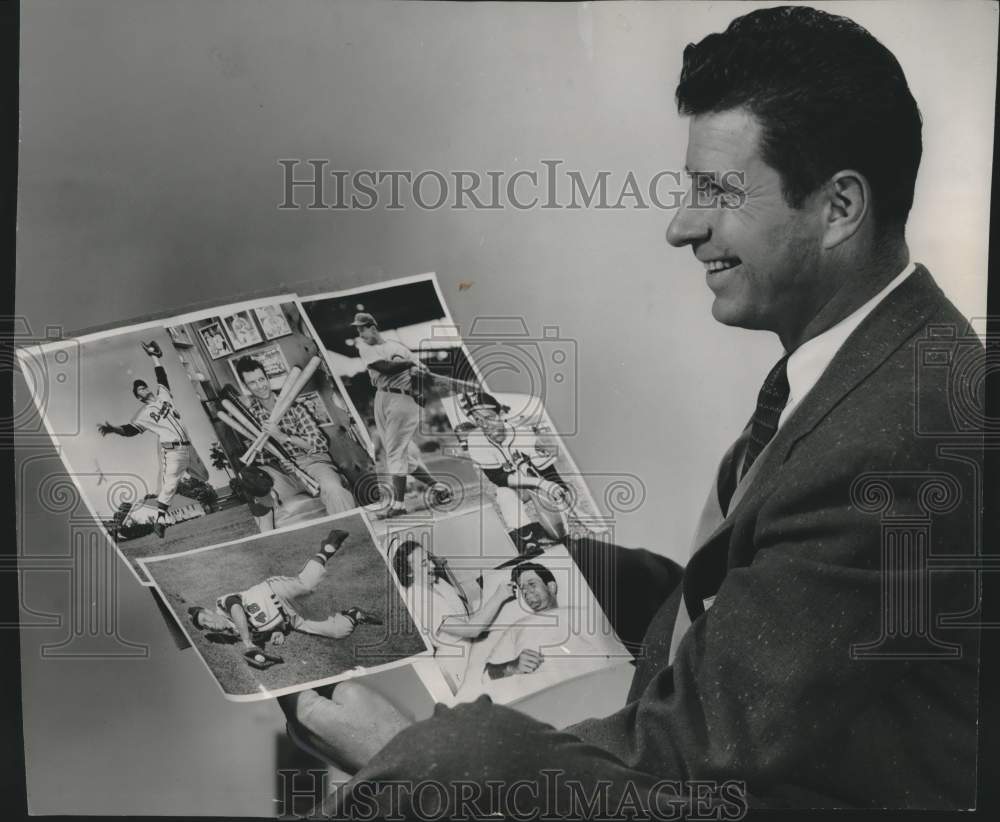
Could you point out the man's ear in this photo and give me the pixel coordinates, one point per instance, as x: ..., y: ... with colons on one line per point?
x: 848, y: 202
x: 553, y: 588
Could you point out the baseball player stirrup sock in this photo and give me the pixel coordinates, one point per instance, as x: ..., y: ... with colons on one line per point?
x: 331, y: 544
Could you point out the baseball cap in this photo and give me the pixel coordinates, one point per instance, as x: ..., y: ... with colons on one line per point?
x: 363, y: 318
x: 474, y: 400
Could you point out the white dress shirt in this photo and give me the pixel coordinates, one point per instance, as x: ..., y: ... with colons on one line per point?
x: 808, y: 362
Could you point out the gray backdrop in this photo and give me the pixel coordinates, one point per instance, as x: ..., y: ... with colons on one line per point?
x: 149, y: 181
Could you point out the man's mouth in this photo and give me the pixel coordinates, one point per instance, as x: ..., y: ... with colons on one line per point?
x: 715, y: 266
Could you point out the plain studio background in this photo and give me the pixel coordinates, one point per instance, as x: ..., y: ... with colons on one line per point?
x: 149, y: 181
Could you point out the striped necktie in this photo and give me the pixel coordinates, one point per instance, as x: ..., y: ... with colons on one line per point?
x: 771, y: 402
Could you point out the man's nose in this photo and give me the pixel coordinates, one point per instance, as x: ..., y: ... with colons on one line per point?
x: 690, y: 225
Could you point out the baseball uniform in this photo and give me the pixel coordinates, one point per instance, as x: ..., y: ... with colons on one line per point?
x: 176, y: 455
x: 270, y: 606
x: 397, y: 414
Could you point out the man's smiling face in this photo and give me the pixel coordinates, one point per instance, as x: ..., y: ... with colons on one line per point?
x: 761, y: 256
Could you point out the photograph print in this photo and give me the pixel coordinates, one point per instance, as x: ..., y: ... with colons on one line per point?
x: 289, y: 610
x: 500, y: 623
x: 142, y: 448
x: 399, y: 355
x: 286, y: 435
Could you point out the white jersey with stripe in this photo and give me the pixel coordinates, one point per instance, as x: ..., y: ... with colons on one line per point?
x: 265, y: 613
x: 161, y: 417
x: 388, y: 350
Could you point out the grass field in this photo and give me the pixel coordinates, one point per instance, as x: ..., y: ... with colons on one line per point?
x: 211, y: 529
x: 357, y: 575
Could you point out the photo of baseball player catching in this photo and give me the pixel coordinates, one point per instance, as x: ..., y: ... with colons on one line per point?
x: 519, y: 461
x: 158, y: 415
x: 289, y: 609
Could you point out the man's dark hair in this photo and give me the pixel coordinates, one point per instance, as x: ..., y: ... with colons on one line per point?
x: 827, y: 94
x: 401, y: 563
x: 544, y: 573
x: 244, y: 365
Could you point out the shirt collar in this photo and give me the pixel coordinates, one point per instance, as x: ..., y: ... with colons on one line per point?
x: 808, y: 362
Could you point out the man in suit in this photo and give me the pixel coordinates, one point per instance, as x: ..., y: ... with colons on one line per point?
x: 808, y: 656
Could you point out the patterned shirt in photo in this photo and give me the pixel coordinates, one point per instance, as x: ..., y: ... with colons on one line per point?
x: 296, y: 422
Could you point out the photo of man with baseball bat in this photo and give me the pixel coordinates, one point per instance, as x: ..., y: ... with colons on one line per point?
x: 285, y: 437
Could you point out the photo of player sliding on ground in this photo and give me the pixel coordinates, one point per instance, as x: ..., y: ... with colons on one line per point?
x: 291, y: 608
x: 266, y: 612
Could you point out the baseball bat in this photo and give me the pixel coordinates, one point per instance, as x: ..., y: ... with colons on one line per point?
x: 462, y: 385
x: 289, y: 391
x: 235, y: 424
x: 310, y: 484
x: 257, y: 442
x: 242, y: 416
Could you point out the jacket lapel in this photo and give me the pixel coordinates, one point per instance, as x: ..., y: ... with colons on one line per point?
x: 891, y: 323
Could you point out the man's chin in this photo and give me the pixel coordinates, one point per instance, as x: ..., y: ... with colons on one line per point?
x: 726, y: 312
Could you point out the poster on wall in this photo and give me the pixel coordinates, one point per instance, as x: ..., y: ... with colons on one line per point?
x: 242, y: 330
x: 215, y: 341
x: 272, y: 321
x: 274, y: 362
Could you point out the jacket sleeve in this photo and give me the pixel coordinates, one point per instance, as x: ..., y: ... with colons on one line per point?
x: 766, y: 675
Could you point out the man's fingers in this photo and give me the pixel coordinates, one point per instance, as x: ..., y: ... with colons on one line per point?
x: 529, y: 661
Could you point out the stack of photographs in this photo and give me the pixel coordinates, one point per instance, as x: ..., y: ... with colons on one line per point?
x: 320, y: 488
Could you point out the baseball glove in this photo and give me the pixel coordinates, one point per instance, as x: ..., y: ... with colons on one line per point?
x: 256, y: 481
x: 152, y: 348
x: 260, y: 659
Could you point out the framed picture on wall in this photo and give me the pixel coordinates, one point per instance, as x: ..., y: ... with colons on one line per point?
x: 179, y: 334
x: 242, y: 330
x: 272, y: 321
x: 215, y: 340
x: 274, y: 362
x: 316, y: 405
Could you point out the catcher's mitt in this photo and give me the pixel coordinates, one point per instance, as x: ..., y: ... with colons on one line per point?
x: 260, y: 659
x: 152, y: 348
x: 256, y: 481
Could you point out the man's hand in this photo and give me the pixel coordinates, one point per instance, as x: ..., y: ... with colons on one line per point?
x: 278, y: 638
x: 271, y: 429
x: 507, y: 589
x: 527, y: 661
x: 106, y: 428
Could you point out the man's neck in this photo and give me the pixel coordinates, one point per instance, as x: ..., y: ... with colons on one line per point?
x: 864, y: 281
